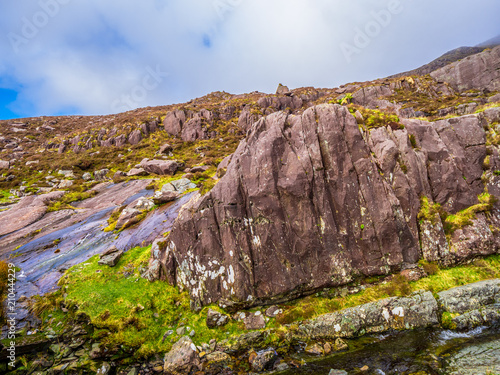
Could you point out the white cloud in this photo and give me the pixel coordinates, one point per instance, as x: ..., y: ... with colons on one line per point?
x: 91, y: 54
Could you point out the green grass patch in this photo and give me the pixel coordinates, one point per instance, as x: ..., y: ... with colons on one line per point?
x: 374, y: 118
x: 429, y: 211
x: 130, y: 311
x: 441, y: 279
x: 64, y: 202
x: 465, y: 217
x: 4, y: 196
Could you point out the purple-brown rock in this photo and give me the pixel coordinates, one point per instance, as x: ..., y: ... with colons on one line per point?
x: 161, y: 167
x: 311, y: 201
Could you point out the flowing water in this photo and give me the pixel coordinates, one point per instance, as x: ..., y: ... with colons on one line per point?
x: 42, y: 263
x: 425, y: 351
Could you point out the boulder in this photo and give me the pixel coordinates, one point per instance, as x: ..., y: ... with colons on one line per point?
x: 87, y: 176
x: 337, y: 372
x: 135, y: 172
x: 178, y: 186
x: 165, y: 149
x: 314, y: 349
x: 182, y: 358
x: 162, y: 197
x: 133, y: 213
x: 103, y: 369
x: 120, y: 140
x: 64, y: 184
x: 413, y: 274
x: 254, y: 321
x: 282, y: 90
x: 264, y: 361
x: 4, y: 164
x: 101, y: 174
x: 160, y: 167
x: 119, y: 174
x: 199, y: 168
x: 194, y: 130
x: 216, y: 319
x: 173, y: 122
x: 273, y: 311
x: 420, y: 310
x: 495, y: 98
x: 110, y: 257
x: 135, y: 137
x: 470, y: 297
x: 66, y: 173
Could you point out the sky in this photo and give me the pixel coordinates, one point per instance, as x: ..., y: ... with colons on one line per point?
x: 91, y: 57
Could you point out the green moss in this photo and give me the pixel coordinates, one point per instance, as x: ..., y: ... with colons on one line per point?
x: 465, y: 217
x: 130, y: 311
x: 113, y: 219
x: 64, y: 202
x: 447, y: 320
x: 4, y: 196
x: 428, y: 211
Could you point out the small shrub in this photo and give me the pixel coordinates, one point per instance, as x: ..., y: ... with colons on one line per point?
x: 430, y: 268
x: 413, y: 141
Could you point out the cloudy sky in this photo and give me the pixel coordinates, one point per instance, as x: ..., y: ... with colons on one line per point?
x: 108, y: 56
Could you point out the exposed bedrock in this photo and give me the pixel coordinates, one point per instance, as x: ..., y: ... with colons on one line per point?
x: 314, y: 201
x: 479, y: 71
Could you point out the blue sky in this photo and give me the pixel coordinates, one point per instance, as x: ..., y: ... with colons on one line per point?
x: 101, y: 57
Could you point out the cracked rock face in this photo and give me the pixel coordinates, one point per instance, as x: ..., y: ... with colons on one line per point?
x: 312, y: 201
x: 480, y: 71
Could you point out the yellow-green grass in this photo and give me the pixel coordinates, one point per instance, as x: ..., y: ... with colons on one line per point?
x: 134, y: 313
x: 4, y: 196
x: 442, y: 279
x: 64, y: 202
x: 131, y: 311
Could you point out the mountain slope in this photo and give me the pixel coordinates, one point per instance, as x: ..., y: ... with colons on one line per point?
x: 450, y: 57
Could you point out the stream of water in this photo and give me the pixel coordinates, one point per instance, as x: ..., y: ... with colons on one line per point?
x: 425, y: 351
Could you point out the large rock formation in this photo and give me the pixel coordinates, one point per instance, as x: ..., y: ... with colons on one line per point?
x: 480, y: 71
x: 314, y: 201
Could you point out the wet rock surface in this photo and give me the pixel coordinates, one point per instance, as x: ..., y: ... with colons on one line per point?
x: 480, y: 359
x: 471, y: 297
x: 419, y: 310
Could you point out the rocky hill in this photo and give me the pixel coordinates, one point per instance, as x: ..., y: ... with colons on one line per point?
x: 248, y: 200
x: 452, y: 56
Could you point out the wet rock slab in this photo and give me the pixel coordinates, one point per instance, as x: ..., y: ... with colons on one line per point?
x: 417, y: 311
